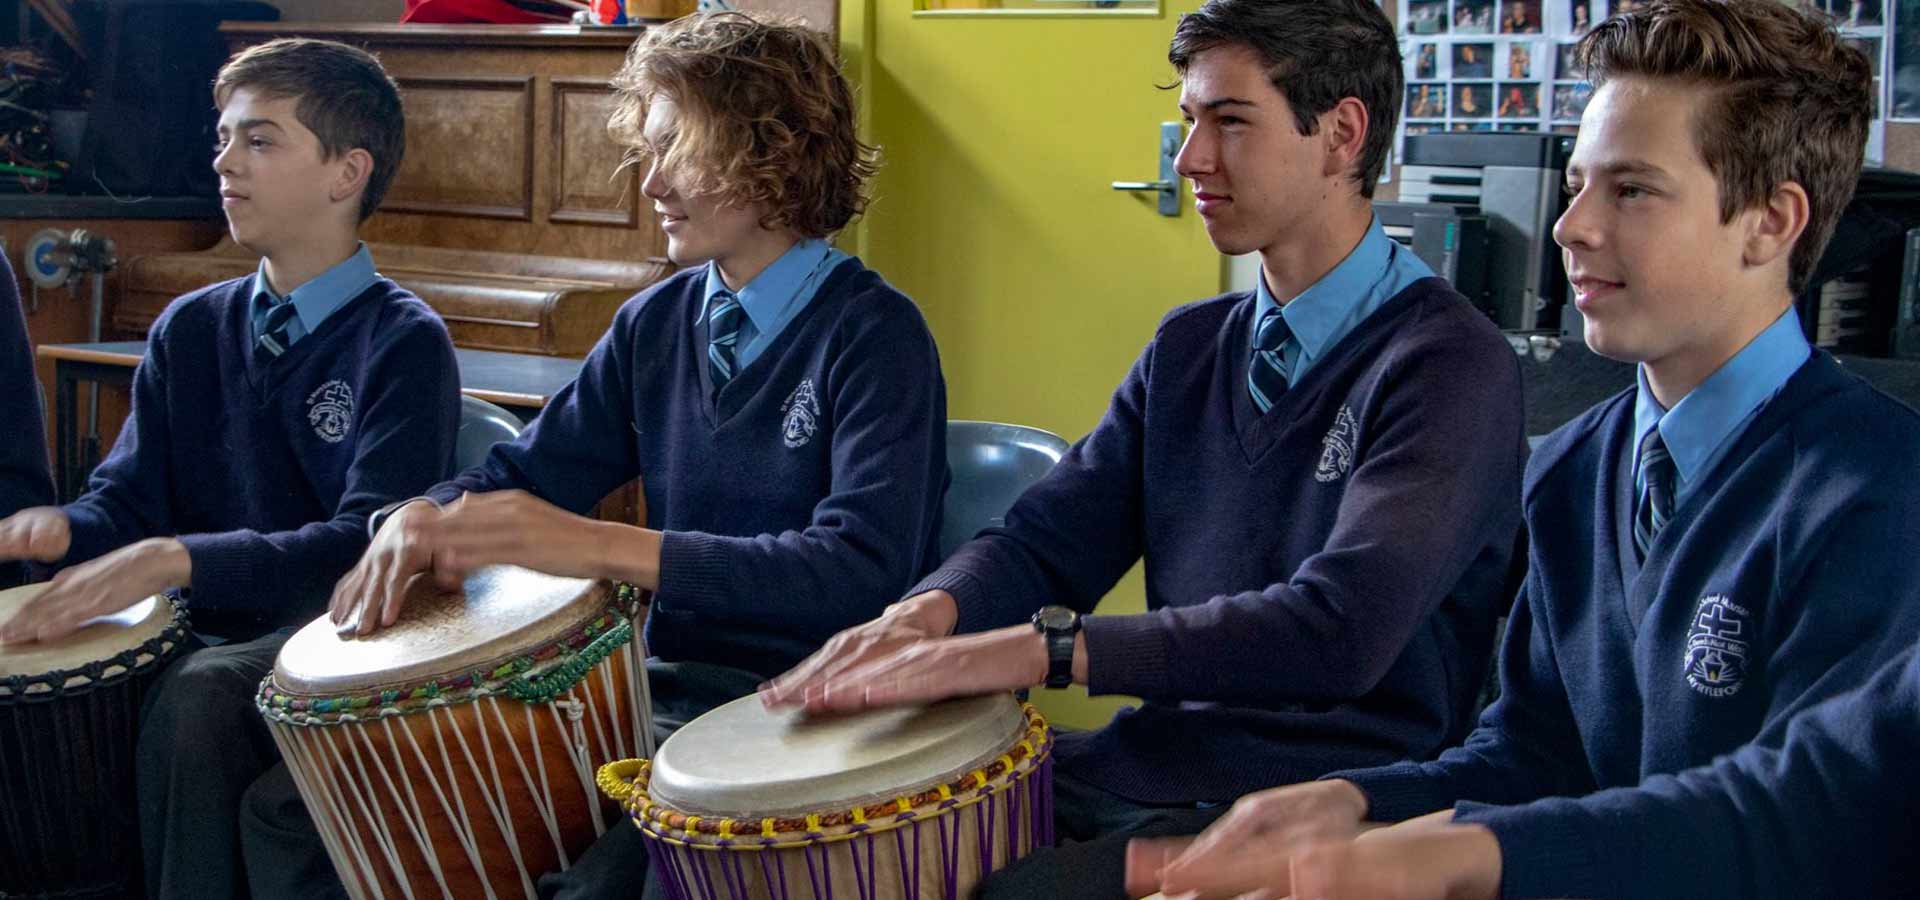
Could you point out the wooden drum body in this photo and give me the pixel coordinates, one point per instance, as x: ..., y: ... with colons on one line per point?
x: 904, y: 804
x: 453, y: 754
x: 69, y: 715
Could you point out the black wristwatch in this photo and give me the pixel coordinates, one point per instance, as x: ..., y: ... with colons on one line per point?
x: 1059, y: 624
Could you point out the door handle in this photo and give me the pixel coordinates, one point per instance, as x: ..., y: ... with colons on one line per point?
x: 1168, y: 184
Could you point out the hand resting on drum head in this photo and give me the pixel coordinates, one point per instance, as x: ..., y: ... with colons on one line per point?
x: 79, y: 594
x: 478, y: 530
x: 907, y: 656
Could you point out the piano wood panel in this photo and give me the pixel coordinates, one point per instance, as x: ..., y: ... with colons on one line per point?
x: 589, y: 184
x: 477, y: 134
x: 576, y: 208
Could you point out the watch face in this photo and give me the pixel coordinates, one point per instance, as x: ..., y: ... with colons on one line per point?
x: 1054, y: 618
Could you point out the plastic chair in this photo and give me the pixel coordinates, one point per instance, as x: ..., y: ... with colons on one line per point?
x: 992, y: 464
x: 482, y: 425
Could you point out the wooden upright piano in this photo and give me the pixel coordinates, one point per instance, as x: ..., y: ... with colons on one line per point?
x: 511, y: 214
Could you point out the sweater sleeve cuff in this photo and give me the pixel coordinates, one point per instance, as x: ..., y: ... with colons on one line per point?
x: 969, y: 598
x: 1126, y: 655
x: 695, y: 569
x: 1544, y: 853
x: 220, y: 563
x: 1395, y: 793
x: 89, y: 532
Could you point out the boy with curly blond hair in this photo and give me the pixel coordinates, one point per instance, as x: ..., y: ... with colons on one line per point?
x: 781, y: 403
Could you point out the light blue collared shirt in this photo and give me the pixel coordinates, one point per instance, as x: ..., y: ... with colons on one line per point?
x: 1376, y: 270
x: 314, y: 301
x: 776, y: 295
x: 1700, y: 428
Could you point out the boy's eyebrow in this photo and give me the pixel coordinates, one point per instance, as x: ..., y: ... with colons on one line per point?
x: 245, y: 124
x: 1215, y: 104
x: 1620, y: 167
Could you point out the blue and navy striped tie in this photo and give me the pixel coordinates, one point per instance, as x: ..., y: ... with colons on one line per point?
x: 1656, y: 502
x: 723, y: 330
x: 1266, y: 372
x: 271, y: 331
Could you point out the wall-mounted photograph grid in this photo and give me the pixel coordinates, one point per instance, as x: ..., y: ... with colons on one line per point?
x: 1507, y: 65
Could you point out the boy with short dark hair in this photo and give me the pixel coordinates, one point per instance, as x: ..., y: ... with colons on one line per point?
x: 1321, y: 476
x: 271, y: 416
x: 1713, y: 551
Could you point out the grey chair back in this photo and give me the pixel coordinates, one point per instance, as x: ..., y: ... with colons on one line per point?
x: 482, y: 425
x: 992, y: 464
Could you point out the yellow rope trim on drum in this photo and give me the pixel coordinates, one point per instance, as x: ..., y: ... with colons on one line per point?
x: 615, y: 779
x: 675, y: 828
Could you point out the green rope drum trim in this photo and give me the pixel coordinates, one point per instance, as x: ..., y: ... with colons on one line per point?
x: 556, y: 681
x: 537, y: 676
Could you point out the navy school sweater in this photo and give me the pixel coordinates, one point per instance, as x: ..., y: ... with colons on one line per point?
x: 24, y: 478
x: 1829, y: 812
x: 267, y: 468
x: 799, y: 505
x: 1784, y: 579
x: 1322, y: 581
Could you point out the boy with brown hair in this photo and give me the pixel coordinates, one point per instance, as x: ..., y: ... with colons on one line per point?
x: 271, y: 416
x: 1712, y: 552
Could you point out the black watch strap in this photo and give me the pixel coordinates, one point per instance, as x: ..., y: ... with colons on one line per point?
x: 1060, y: 658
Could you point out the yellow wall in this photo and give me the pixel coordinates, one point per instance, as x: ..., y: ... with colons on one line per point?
x: 994, y: 212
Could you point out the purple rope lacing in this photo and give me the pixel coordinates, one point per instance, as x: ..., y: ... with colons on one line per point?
x: 685, y: 873
x: 949, y: 851
x: 737, y: 887
x: 862, y: 877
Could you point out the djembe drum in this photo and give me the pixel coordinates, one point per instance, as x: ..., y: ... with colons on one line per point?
x: 907, y: 803
x: 453, y: 754
x: 69, y: 714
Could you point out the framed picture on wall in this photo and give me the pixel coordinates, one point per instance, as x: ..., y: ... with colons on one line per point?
x: 1473, y: 16
x: 1473, y: 101
x: 1518, y: 101
x: 1426, y: 101
x: 1520, y: 16
x: 1425, y: 17
x: 1472, y: 61
x: 1519, y: 61
x: 1426, y: 61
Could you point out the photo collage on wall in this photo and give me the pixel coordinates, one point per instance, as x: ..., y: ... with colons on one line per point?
x: 1508, y: 65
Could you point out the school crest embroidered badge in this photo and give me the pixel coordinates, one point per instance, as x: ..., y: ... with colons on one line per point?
x: 801, y: 415
x: 1336, y: 449
x: 1717, y: 648
x: 330, y: 411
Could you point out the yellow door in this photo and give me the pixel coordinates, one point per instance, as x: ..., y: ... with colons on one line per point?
x: 995, y: 211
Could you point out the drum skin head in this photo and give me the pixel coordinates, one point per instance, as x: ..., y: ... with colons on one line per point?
x: 743, y: 760
x: 501, y: 612
x: 99, y: 639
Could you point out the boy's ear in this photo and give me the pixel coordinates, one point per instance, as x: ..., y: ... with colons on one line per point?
x: 1777, y: 224
x: 354, y: 168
